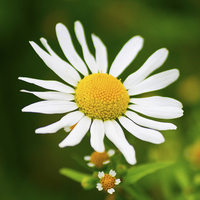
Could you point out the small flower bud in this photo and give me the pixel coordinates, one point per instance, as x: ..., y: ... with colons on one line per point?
x: 89, y: 183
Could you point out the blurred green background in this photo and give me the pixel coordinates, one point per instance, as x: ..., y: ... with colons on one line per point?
x: 29, y: 163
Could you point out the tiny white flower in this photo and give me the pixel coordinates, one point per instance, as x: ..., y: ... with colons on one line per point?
x: 99, y: 159
x: 99, y: 101
x: 108, y: 181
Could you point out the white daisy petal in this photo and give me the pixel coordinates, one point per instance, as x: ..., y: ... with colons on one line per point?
x: 116, y: 135
x: 89, y: 58
x: 152, y: 63
x: 71, y: 75
x: 117, y: 181
x: 101, y: 174
x: 68, y: 120
x: 77, y: 134
x: 127, y: 54
x: 51, y: 95
x: 67, y: 46
x: 157, y: 101
x: 99, y: 186
x: 87, y: 158
x: 53, y: 64
x: 101, y: 54
x: 145, y: 134
x: 111, y: 190
x: 50, y: 107
x: 97, y: 135
x: 158, y: 112
x: 149, y: 123
x: 51, y: 85
x: 155, y: 82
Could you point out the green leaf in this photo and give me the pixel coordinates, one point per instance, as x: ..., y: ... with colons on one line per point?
x: 73, y: 174
x: 136, y: 192
x: 135, y: 173
x: 182, y: 177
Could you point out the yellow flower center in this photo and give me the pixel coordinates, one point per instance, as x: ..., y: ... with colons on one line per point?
x: 98, y: 158
x: 101, y: 96
x: 108, y: 182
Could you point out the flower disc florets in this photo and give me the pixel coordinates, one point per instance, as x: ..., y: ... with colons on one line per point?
x: 108, y: 182
x: 101, y: 96
x: 99, y: 158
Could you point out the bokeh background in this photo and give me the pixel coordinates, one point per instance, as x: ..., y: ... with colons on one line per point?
x: 29, y: 163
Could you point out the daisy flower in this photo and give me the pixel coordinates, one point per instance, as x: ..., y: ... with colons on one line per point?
x: 94, y: 99
x: 107, y: 181
x: 99, y: 159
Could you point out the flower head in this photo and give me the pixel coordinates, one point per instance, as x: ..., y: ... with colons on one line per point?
x: 99, y: 159
x: 99, y: 101
x: 108, y: 181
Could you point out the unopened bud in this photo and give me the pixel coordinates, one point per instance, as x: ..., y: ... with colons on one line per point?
x: 89, y: 183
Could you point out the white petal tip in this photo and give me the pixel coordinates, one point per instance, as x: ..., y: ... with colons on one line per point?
x: 43, y: 40
x: 132, y: 162
x: 77, y: 23
x: 139, y: 38
x: 23, y: 90
x: 22, y: 78
x: 32, y: 43
x: 160, y: 141
x: 37, y: 131
x: 173, y: 127
x: 40, y: 131
x: 176, y: 73
x: 61, y: 145
x: 24, y: 110
x: 100, y: 149
x: 60, y: 25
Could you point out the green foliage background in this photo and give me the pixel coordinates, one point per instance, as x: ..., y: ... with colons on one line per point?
x: 29, y: 163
